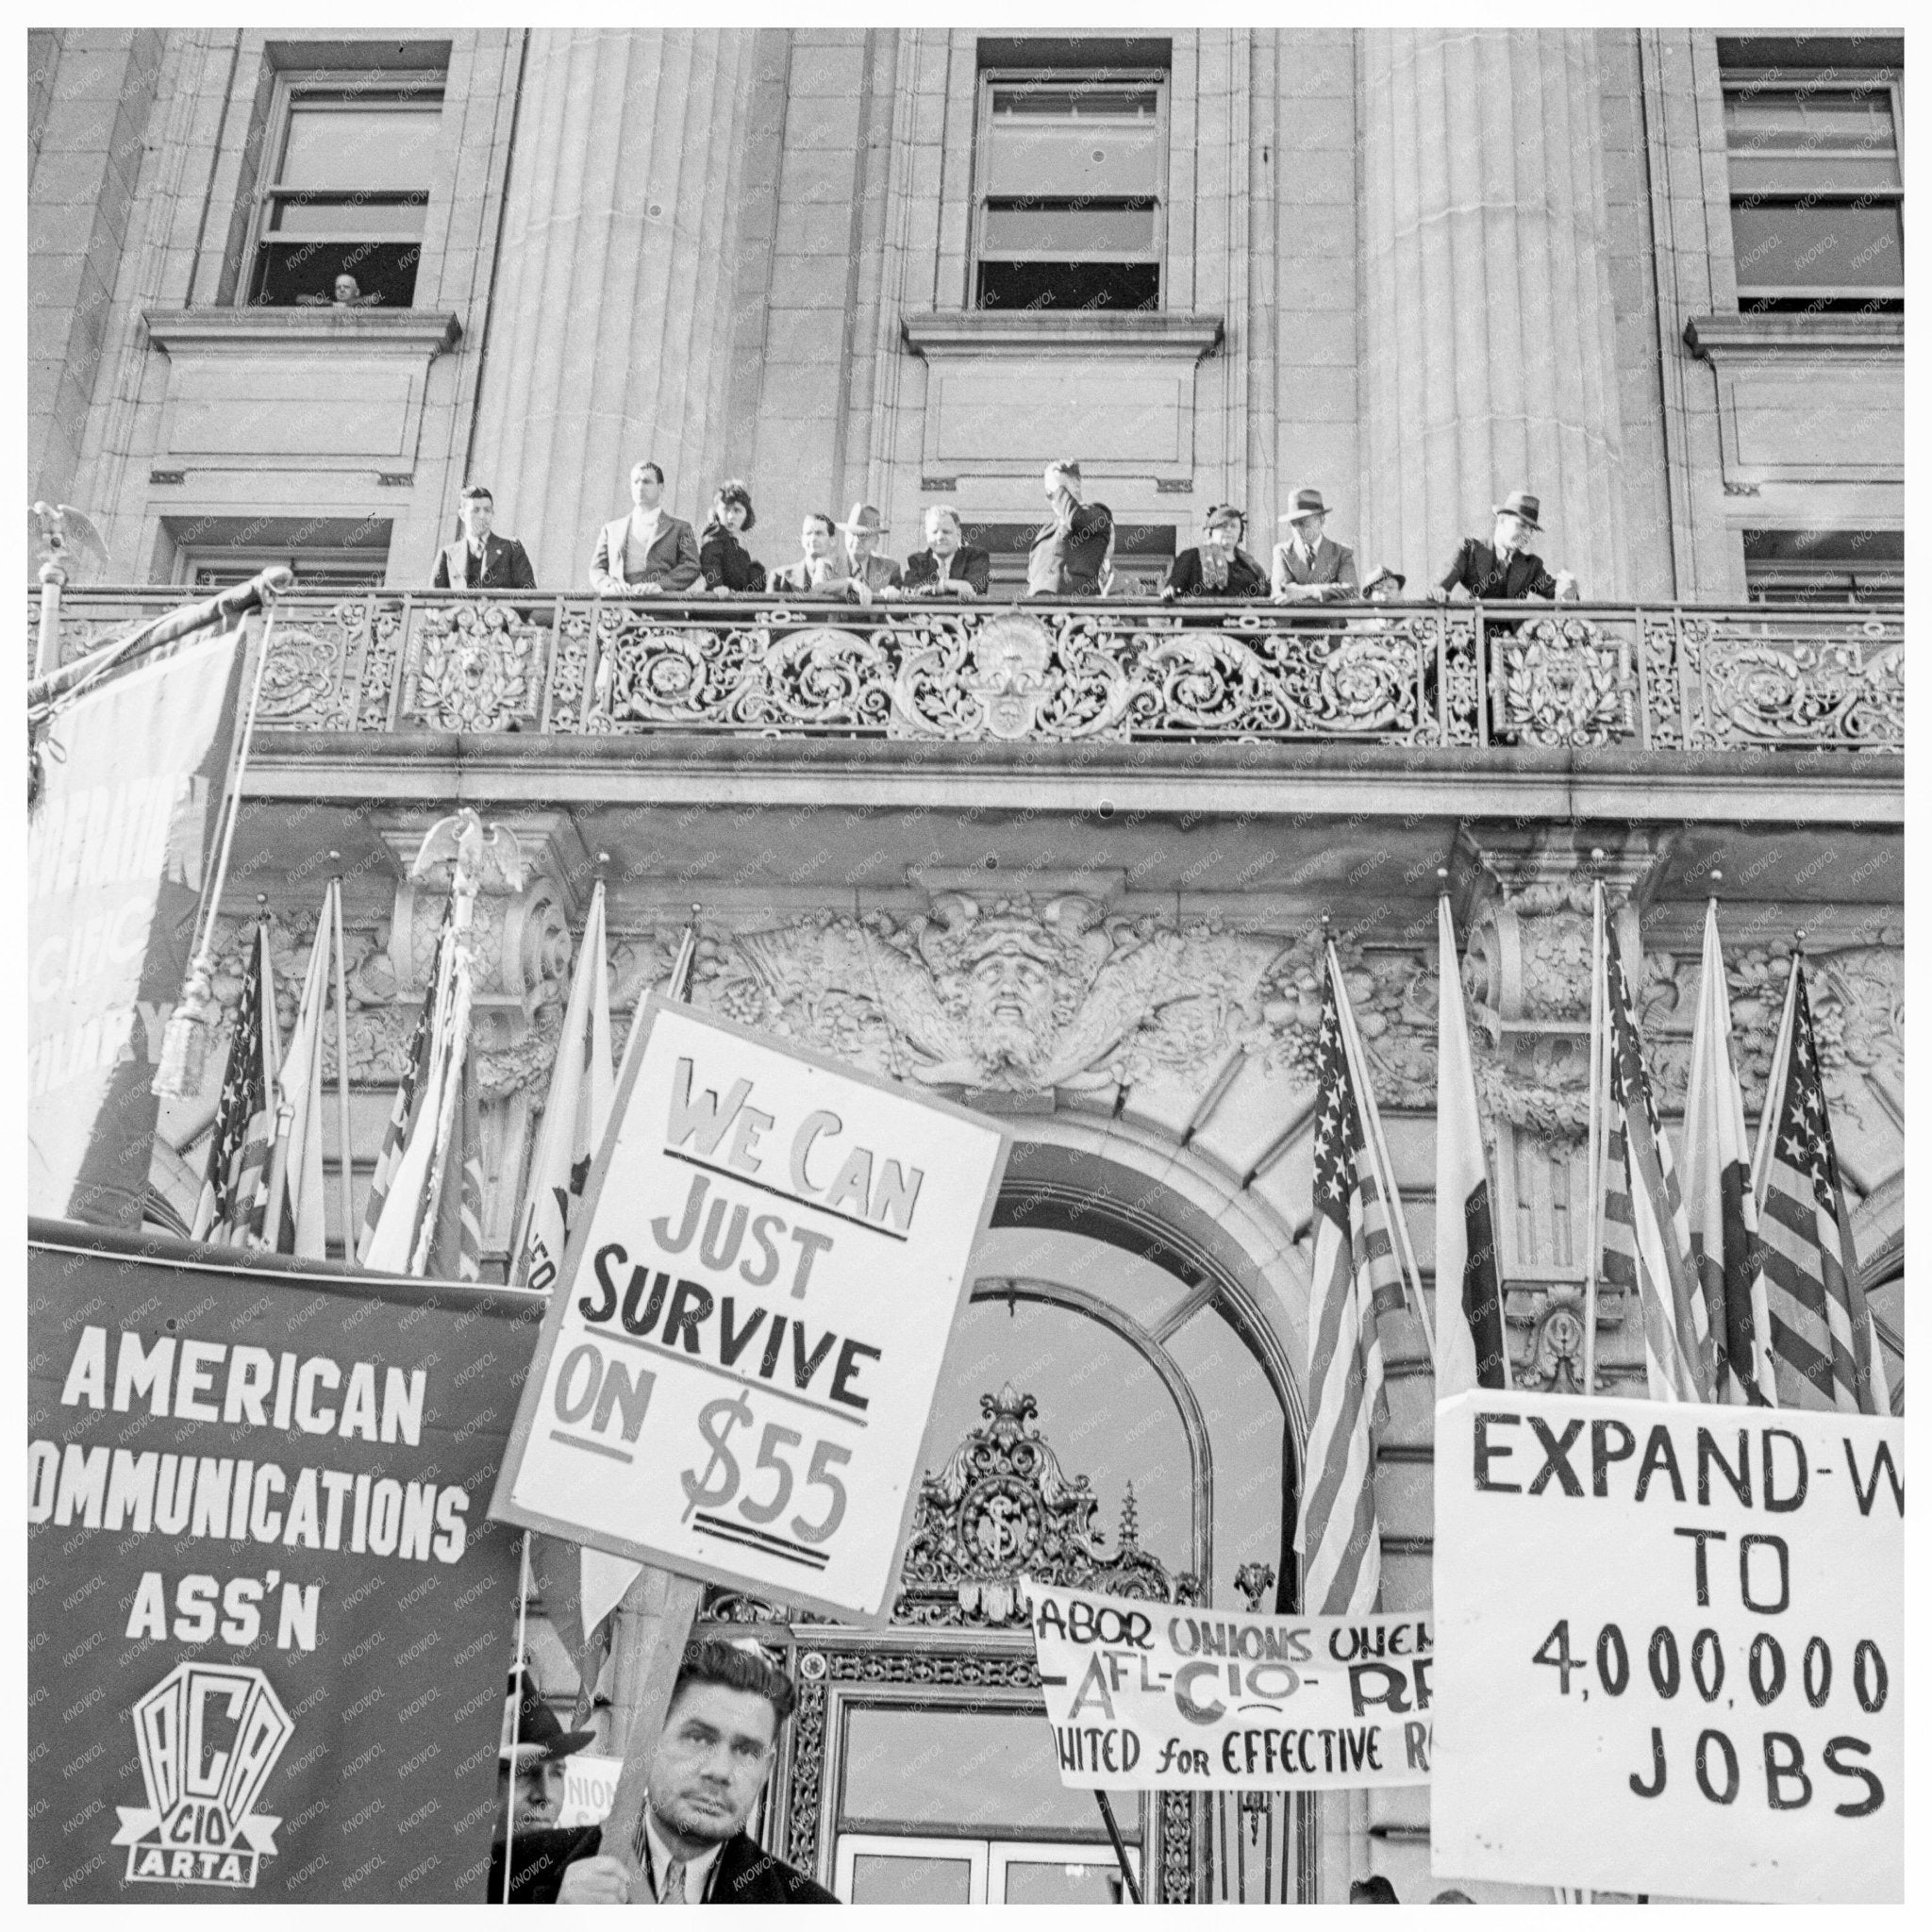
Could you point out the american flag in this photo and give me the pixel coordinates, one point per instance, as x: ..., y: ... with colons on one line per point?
x: 1821, y: 1346
x: 1646, y: 1232
x: 233, y: 1208
x: 1358, y: 1284
x: 397, y: 1135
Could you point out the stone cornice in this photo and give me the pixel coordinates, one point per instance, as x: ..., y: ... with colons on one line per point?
x: 976, y: 332
x: 329, y: 331
x: 1718, y: 337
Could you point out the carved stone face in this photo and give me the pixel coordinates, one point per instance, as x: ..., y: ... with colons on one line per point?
x: 1009, y: 1007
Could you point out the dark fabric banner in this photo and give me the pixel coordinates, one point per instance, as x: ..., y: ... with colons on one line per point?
x: 270, y: 1622
x: 117, y: 842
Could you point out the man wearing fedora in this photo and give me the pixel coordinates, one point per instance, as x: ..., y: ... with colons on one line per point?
x: 1311, y: 566
x: 529, y: 1797
x: 712, y: 1760
x: 862, y: 529
x: 1505, y: 568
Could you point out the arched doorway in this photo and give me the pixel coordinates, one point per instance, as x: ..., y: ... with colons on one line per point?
x: 1117, y: 1412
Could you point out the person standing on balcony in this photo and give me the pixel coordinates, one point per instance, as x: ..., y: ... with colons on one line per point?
x: 948, y: 566
x: 1505, y: 568
x: 1219, y: 567
x: 480, y: 559
x: 862, y: 531
x: 649, y: 553
x: 1070, y: 550
x: 1310, y: 567
x: 819, y: 571
x: 727, y: 565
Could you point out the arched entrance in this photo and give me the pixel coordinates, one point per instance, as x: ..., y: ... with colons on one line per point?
x: 1116, y: 1411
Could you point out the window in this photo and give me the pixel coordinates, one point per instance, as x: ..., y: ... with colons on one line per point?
x: 346, y: 177
x: 1824, y: 566
x: 1072, y: 170
x: 330, y: 556
x: 1816, y: 182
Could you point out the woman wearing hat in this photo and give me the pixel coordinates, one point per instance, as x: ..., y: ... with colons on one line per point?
x: 862, y: 531
x: 729, y: 566
x: 1505, y: 568
x: 1219, y: 567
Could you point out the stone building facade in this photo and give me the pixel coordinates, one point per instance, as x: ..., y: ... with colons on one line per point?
x: 1069, y: 864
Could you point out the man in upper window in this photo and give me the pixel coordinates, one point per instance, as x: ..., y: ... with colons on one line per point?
x: 480, y: 559
x: 1068, y: 550
x: 720, y: 1738
x: 948, y: 566
x: 1505, y: 568
x: 1310, y: 567
x: 862, y: 531
x: 649, y: 553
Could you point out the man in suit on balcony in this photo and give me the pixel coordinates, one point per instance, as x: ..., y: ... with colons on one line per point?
x: 1505, y: 568
x: 947, y: 567
x: 1070, y: 550
x: 480, y: 559
x: 1310, y: 567
x: 649, y: 553
x: 864, y: 562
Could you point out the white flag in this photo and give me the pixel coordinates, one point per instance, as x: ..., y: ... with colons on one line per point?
x: 301, y: 1085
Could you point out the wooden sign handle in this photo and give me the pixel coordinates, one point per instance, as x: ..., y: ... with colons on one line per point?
x: 655, y: 1625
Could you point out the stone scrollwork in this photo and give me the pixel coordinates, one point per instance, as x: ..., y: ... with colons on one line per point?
x: 1548, y: 1324
x: 305, y: 684
x: 476, y: 668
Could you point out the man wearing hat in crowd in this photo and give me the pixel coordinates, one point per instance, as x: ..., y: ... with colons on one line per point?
x: 1311, y: 566
x: 712, y: 1760
x: 1505, y: 568
x: 1070, y: 549
x: 529, y: 1777
x: 1219, y: 567
x: 862, y: 529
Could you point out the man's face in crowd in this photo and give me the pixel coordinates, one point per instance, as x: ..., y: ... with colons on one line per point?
x: 816, y: 538
x: 1309, y: 530
x: 347, y: 289
x: 647, y: 486
x: 478, y: 514
x: 859, y: 544
x: 712, y: 1760
x: 1512, y: 533
x: 941, y: 535
x: 538, y: 1793
x: 1056, y: 480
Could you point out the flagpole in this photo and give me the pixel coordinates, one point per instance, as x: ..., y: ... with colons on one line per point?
x: 516, y: 1721
x: 1774, y: 1086
x: 1593, y: 1219
x: 1378, y: 1151
x: 344, y: 1177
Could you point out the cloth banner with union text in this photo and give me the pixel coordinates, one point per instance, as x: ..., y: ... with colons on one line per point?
x: 1154, y: 1696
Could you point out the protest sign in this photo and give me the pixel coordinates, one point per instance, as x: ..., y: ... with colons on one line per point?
x: 589, y: 1784
x: 1154, y: 1696
x: 270, y: 1625
x: 133, y: 777
x: 739, y: 1362
x: 1671, y: 1648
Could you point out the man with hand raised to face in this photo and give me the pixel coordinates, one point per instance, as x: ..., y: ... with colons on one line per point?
x: 711, y: 1761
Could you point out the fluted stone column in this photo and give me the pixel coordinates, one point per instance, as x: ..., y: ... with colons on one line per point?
x: 1487, y: 346
x: 610, y: 334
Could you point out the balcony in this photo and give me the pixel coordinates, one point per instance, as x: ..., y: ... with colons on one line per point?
x: 1574, y: 678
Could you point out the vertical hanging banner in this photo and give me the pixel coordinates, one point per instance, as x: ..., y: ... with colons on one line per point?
x: 739, y: 1362
x: 1670, y: 1649
x: 269, y: 1621
x: 132, y: 772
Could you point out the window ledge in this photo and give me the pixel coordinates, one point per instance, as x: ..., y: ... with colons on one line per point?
x: 1714, y: 336
x: 1011, y: 332
x: 421, y: 331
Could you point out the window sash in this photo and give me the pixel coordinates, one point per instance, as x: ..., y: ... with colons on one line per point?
x: 1010, y: 233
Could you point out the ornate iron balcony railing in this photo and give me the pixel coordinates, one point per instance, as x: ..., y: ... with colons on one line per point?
x: 1668, y: 677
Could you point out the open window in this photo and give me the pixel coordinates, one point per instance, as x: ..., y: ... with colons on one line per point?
x: 345, y: 188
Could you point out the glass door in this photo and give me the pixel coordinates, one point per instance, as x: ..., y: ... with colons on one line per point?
x: 885, y: 1869
x: 1031, y: 1873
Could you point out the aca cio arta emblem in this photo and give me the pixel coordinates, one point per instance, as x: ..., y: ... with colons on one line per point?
x: 210, y: 1736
